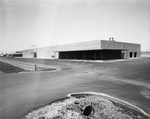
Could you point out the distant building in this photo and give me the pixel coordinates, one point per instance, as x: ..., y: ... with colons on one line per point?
x: 91, y: 50
x: 16, y: 54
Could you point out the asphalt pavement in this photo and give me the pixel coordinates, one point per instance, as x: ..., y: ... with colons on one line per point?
x: 23, y: 92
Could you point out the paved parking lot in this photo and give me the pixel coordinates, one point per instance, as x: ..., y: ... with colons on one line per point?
x: 126, y: 80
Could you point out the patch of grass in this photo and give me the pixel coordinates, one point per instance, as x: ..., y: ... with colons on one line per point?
x: 7, y: 68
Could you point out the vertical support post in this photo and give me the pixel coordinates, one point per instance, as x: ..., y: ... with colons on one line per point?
x: 95, y: 54
x: 67, y: 56
x: 74, y: 55
x: 35, y: 68
x: 102, y: 55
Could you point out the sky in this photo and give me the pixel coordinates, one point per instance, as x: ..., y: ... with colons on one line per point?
x: 24, y: 23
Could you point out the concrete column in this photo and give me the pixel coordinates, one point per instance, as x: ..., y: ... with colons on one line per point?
x: 74, y: 55
x: 95, y: 54
x: 102, y: 55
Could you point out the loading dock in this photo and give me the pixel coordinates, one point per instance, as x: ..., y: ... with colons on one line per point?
x: 105, y: 54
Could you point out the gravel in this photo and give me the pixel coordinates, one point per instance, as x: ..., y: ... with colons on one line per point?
x: 88, y: 107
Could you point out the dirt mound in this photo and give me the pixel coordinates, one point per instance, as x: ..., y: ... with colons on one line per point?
x: 85, y: 106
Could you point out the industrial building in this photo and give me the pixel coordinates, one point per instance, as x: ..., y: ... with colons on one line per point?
x: 15, y: 54
x: 91, y: 50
